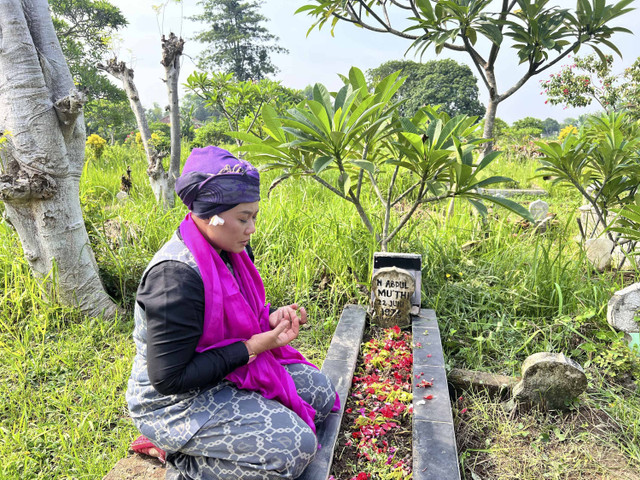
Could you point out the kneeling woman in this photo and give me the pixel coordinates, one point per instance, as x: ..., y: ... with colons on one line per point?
x: 214, y: 382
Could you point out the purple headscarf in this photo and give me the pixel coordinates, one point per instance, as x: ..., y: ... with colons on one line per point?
x: 213, y: 181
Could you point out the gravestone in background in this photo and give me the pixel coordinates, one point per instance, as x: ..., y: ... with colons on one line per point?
x: 395, y: 287
x: 550, y: 380
x: 539, y: 210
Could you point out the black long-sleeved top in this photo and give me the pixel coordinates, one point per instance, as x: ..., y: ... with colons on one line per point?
x: 172, y: 296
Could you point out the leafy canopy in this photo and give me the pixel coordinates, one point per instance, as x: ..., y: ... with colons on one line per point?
x: 84, y: 29
x: 591, y: 78
x: 446, y: 83
x: 237, y: 40
x: 601, y: 162
x: 540, y: 33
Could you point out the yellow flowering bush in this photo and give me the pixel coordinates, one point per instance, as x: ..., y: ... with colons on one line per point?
x: 564, y: 133
x: 96, y: 144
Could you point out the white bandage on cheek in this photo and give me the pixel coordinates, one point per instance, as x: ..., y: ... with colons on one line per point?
x: 216, y: 220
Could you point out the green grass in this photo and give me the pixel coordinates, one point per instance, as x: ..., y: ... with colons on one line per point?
x: 508, y: 295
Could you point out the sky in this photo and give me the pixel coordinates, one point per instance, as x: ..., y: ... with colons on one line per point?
x: 319, y: 58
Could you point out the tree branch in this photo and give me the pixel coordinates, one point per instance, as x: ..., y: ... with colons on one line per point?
x: 387, y: 213
x: 329, y: 186
x: 515, y: 88
x: 556, y: 60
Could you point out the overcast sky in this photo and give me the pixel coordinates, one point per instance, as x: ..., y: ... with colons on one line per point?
x: 319, y: 57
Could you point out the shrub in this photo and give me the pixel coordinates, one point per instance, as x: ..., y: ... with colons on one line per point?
x: 212, y: 133
x: 96, y: 145
x: 569, y: 129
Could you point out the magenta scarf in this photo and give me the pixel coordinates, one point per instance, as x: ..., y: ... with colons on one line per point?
x: 234, y: 310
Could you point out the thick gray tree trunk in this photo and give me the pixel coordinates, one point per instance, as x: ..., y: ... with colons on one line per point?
x: 171, y: 52
x: 42, y: 159
x: 158, y: 177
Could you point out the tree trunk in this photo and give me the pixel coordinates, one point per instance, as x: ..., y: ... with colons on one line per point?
x: 158, y: 178
x: 489, y: 123
x: 171, y: 52
x: 42, y: 160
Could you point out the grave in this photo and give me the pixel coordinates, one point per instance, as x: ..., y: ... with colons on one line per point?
x: 339, y: 365
x: 512, y: 192
x: 539, y: 210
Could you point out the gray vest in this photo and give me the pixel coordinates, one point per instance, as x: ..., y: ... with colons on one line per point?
x: 169, y: 421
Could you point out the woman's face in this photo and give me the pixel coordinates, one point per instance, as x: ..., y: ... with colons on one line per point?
x: 234, y: 234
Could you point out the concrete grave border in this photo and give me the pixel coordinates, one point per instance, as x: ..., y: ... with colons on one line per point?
x: 435, y: 454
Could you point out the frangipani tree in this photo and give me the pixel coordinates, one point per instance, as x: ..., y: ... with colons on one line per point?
x: 540, y: 33
x: 353, y: 143
x: 602, y: 162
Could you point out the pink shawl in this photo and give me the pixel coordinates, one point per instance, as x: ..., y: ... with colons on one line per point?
x: 236, y: 310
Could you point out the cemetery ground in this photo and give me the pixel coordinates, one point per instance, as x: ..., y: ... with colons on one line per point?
x: 509, y: 294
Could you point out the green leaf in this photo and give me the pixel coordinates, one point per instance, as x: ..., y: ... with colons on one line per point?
x: 479, y: 206
x: 356, y: 77
x: 270, y: 119
x: 321, y: 163
x: 408, y: 126
x: 344, y: 183
x: 492, y: 32
x: 365, y: 165
x: 508, y: 204
x: 322, y: 96
x: 277, y: 182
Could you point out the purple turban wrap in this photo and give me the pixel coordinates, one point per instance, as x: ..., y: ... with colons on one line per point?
x: 213, y: 181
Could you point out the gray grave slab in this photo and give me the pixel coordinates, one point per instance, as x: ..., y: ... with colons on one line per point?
x: 341, y: 375
x: 426, y: 333
x: 426, y: 319
x: 339, y: 366
x: 439, y: 407
x: 327, y: 437
x: 435, y: 455
x: 345, y: 344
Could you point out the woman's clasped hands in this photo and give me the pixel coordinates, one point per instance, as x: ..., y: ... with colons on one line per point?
x: 285, y: 325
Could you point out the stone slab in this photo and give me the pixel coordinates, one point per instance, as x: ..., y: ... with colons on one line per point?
x: 339, y: 366
x: 341, y: 375
x: 137, y: 467
x: 622, y: 308
x: 345, y: 344
x: 491, y: 383
x: 427, y: 319
x: 327, y: 437
x: 427, y: 335
x: 510, y: 192
x: 435, y: 456
x: 438, y: 408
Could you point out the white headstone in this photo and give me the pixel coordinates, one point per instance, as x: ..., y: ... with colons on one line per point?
x: 622, y: 309
x: 411, y: 262
x: 392, y: 290
x: 539, y: 210
x: 598, y: 252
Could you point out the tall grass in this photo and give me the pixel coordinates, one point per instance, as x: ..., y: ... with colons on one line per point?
x: 508, y: 293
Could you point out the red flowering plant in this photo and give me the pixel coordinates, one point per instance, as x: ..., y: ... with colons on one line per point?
x: 376, y: 443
